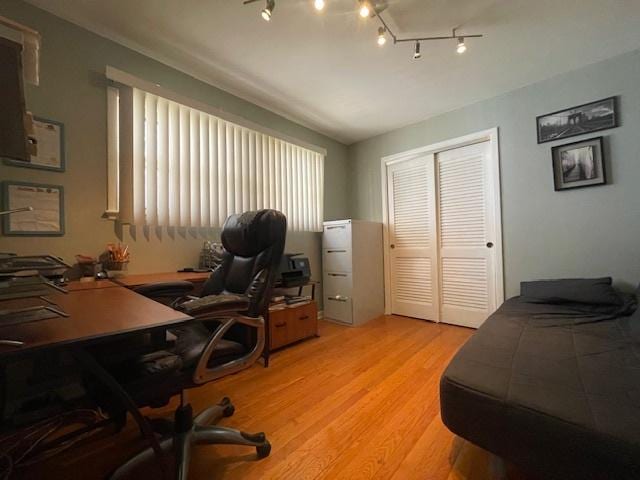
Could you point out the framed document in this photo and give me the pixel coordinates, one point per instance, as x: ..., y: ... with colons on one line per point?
x: 47, y: 201
x: 49, y: 136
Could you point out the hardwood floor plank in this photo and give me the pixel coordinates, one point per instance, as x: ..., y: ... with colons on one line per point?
x: 355, y: 403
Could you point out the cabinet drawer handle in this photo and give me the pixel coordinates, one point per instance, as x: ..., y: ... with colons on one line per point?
x: 332, y: 228
x: 337, y: 274
x: 280, y: 325
x: 336, y: 251
x: 338, y: 298
x: 304, y: 317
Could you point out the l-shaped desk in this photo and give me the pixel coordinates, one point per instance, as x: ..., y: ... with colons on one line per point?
x: 98, y: 311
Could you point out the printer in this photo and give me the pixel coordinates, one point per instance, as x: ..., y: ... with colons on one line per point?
x: 294, y: 271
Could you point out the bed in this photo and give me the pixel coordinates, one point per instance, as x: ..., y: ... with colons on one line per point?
x: 553, y: 388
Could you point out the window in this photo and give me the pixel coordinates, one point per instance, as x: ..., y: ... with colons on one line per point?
x: 179, y: 165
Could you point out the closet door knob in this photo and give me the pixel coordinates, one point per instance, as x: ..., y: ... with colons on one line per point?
x: 392, y: 246
x: 489, y: 244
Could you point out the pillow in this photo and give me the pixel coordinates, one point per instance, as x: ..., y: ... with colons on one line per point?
x: 595, y: 291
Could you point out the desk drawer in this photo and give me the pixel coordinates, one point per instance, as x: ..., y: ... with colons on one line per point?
x: 279, y: 328
x: 289, y: 325
x: 337, y: 236
x: 337, y: 260
x: 303, y: 322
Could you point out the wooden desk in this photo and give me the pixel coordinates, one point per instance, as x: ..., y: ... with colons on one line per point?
x: 102, y: 313
x: 92, y: 284
x: 132, y: 281
x: 93, y: 314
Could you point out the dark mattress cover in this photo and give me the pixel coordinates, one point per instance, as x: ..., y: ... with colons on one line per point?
x: 557, y: 396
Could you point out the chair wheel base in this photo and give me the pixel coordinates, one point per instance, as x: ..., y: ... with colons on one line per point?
x: 263, y: 450
x: 228, y: 408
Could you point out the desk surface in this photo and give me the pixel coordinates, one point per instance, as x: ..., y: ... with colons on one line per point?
x: 93, y: 314
x: 142, y: 279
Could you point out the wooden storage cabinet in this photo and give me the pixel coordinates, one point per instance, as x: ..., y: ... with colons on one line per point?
x: 290, y: 325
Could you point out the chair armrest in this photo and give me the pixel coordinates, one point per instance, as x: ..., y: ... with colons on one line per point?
x: 215, y: 305
x: 203, y: 373
x: 165, y: 289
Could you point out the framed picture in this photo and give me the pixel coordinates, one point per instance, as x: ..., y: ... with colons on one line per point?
x: 49, y: 135
x: 46, y: 201
x: 587, y: 118
x: 579, y: 164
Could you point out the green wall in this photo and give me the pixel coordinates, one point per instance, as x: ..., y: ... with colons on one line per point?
x: 72, y: 90
x: 586, y: 232
x: 593, y: 231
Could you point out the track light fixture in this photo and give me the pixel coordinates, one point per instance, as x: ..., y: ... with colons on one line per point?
x: 268, y: 10
x: 461, y: 46
x: 365, y: 10
x: 381, y: 38
x: 416, y: 52
x: 374, y: 8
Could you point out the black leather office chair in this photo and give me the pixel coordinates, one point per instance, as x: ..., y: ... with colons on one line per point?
x: 235, y: 298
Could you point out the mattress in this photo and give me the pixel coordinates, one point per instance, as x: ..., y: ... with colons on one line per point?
x: 551, y: 391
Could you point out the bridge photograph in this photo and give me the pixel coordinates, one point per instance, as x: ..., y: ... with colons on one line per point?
x: 587, y: 118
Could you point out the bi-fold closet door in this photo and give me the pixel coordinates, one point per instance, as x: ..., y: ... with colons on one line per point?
x: 442, y: 233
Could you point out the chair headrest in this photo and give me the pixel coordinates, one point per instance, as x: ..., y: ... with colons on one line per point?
x: 249, y: 233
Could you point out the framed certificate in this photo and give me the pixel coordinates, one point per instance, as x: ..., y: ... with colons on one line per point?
x: 49, y: 136
x: 47, y: 216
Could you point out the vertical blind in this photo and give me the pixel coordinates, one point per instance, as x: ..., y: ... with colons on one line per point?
x: 182, y: 167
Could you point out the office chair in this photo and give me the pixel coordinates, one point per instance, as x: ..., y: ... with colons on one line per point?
x: 234, y: 300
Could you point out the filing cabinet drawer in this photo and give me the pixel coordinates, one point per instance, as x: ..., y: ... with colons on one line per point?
x: 337, y: 260
x: 337, y: 283
x: 337, y: 236
x: 338, y: 307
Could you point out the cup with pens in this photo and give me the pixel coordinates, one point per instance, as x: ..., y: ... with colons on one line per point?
x: 115, y: 259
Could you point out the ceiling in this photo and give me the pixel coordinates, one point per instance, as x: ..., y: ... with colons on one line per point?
x: 325, y: 70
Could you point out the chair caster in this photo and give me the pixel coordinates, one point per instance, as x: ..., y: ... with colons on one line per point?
x: 229, y: 409
x: 263, y: 450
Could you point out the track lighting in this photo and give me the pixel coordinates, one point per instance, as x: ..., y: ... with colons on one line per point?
x: 365, y: 11
x: 461, y: 46
x: 381, y: 38
x: 268, y: 10
x: 374, y: 10
x: 416, y: 52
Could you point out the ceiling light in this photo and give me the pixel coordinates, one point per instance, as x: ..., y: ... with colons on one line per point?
x: 319, y: 4
x: 381, y: 38
x: 266, y: 13
x: 416, y: 53
x: 365, y: 11
x: 461, y: 46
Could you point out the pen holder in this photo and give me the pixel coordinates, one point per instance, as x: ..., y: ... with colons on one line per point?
x: 116, y: 269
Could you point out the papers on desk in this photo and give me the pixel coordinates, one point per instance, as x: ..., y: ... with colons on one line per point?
x: 47, y: 215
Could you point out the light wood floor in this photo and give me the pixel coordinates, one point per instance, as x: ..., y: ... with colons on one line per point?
x: 355, y: 403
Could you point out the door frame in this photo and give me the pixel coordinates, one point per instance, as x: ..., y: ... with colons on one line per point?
x: 490, y: 135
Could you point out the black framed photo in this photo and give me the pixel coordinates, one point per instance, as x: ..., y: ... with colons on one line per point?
x: 580, y: 120
x: 579, y: 164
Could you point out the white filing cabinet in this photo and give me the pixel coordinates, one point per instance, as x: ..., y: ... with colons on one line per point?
x: 352, y: 264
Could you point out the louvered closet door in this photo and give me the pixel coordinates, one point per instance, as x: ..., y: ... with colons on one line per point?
x: 466, y: 225
x: 412, y: 238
